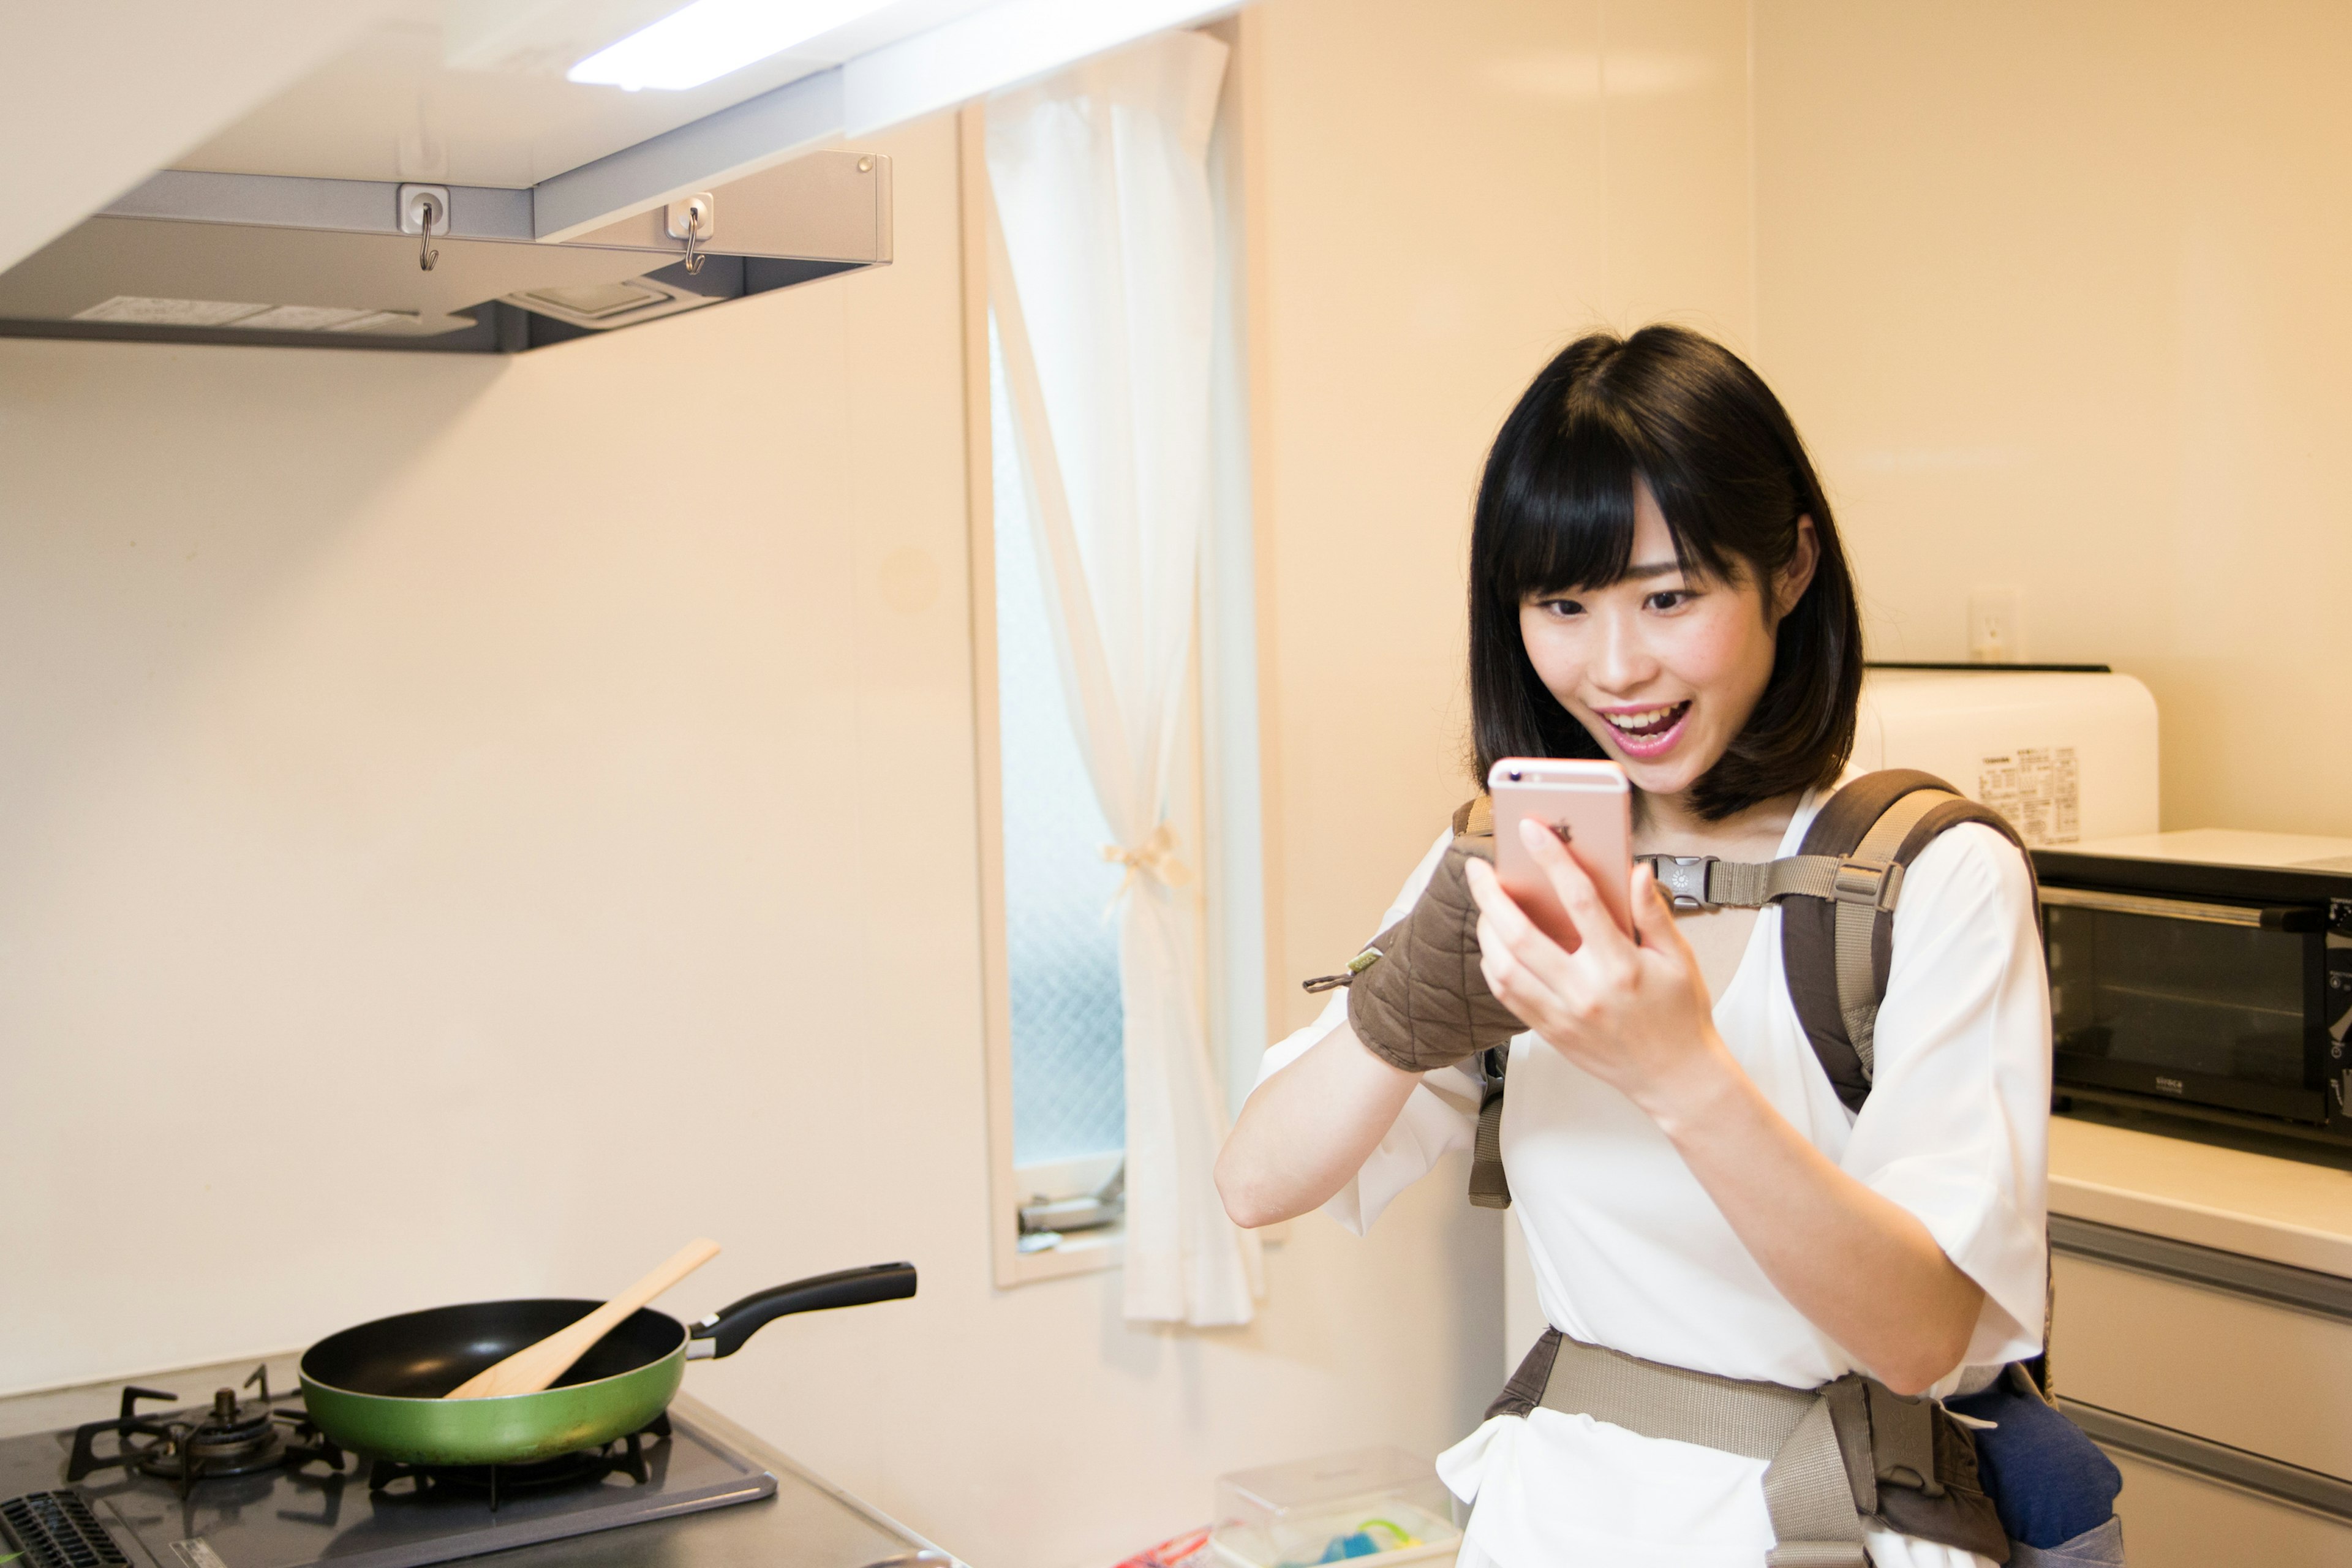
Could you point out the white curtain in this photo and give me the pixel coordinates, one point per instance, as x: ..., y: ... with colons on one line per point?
x: 1102, y: 267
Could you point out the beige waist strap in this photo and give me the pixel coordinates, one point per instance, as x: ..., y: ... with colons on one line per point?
x: 1808, y: 1487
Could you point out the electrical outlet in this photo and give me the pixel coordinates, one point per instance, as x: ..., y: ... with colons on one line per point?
x: 1996, y: 627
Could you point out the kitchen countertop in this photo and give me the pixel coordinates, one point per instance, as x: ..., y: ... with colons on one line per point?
x: 814, y: 1523
x: 2286, y: 1211
x: 808, y: 1523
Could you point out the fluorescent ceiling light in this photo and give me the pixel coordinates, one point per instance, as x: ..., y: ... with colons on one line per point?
x: 710, y: 37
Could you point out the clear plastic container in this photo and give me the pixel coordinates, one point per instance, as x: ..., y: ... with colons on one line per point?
x: 1382, y: 1506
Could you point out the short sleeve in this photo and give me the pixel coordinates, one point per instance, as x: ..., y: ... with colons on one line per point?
x: 1956, y: 1127
x: 1440, y: 1115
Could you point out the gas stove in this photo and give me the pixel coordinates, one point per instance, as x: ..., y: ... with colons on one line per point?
x: 233, y: 1437
x: 245, y: 1481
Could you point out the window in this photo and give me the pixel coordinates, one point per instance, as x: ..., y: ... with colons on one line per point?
x: 1069, y: 1085
x: 1052, y: 876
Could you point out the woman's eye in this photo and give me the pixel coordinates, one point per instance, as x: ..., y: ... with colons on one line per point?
x: 1562, y: 608
x: 1669, y: 599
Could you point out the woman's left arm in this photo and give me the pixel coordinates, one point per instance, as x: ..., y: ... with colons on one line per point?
x: 1859, y: 1265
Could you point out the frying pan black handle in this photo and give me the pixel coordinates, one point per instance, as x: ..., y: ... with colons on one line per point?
x: 727, y: 1328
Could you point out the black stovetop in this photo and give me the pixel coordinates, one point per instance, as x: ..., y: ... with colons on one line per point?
x: 700, y: 1492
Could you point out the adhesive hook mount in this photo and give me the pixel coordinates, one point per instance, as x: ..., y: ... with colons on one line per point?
x: 425, y: 212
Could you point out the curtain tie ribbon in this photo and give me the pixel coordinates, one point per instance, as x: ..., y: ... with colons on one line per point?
x: 1155, y: 858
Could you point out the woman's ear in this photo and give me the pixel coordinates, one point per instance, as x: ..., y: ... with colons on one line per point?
x: 1789, y: 585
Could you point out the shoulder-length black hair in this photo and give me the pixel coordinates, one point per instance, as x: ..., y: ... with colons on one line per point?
x: 1688, y: 417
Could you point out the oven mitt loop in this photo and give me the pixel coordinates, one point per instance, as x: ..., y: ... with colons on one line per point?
x: 1415, y: 996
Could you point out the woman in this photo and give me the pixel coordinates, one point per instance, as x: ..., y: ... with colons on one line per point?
x: 1655, y: 579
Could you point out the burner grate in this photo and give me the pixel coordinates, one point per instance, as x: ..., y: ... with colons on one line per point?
x: 56, y: 1530
x: 621, y: 1457
x: 235, y: 1437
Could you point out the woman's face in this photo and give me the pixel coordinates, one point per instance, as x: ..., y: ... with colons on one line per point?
x: 1662, y: 666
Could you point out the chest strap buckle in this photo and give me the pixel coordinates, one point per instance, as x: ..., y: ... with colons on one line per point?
x: 1683, y: 878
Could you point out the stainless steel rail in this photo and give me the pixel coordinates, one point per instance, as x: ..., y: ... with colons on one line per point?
x: 2307, y: 1288
x: 2159, y: 908
x: 2313, y: 1490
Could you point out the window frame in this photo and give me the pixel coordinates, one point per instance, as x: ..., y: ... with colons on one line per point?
x: 1082, y: 1252
x: 1217, y: 810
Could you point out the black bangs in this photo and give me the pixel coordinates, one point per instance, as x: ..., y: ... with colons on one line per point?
x: 1563, y: 511
x: 1673, y: 410
x: 1562, y: 500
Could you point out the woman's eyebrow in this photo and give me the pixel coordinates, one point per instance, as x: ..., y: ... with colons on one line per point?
x: 1653, y: 569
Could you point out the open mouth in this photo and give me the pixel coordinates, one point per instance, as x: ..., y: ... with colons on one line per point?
x: 1647, y: 730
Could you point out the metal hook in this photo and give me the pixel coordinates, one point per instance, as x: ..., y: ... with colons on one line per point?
x: 428, y: 212
x: 694, y: 219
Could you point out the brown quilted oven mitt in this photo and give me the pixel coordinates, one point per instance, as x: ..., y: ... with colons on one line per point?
x: 1422, y: 1004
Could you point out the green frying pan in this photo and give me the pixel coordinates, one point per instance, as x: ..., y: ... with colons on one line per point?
x: 377, y: 1388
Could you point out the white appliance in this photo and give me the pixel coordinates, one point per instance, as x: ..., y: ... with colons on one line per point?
x: 2065, y: 754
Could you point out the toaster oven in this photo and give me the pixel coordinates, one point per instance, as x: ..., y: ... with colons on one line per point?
x: 2207, y: 973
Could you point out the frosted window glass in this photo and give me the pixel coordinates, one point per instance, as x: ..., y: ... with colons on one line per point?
x: 1069, y: 1081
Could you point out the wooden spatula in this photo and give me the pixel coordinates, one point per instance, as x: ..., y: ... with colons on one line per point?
x: 536, y: 1366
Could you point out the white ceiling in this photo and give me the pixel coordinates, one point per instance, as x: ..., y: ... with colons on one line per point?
x: 387, y: 108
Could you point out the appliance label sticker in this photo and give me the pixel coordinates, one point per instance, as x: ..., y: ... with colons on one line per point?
x: 197, y: 1553
x: 2039, y: 789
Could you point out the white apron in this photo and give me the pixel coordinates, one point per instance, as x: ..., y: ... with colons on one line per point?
x: 1628, y: 1251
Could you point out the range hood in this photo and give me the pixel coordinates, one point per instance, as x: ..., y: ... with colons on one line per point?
x: 190, y: 256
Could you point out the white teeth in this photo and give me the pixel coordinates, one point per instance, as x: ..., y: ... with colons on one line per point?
x: 1642, y: 720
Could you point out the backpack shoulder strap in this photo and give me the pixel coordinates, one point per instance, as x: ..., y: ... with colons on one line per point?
x: 1838, y: 948
x: 1489, y: 1187
x: 1474, y: 816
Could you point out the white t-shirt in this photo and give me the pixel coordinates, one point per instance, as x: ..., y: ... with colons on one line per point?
x: 1628, y: 1252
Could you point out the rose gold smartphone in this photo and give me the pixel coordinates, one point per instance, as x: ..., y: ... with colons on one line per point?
x: 1591, y: 808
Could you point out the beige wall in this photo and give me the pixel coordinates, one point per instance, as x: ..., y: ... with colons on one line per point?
x: 2057, y: 293
x: 468, y: 826
x: 1449, y: 194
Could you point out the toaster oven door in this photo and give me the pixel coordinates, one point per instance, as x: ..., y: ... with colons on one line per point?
x: 2213, y: 1006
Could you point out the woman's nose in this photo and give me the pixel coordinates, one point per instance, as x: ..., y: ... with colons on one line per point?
x: 1625, y: 663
